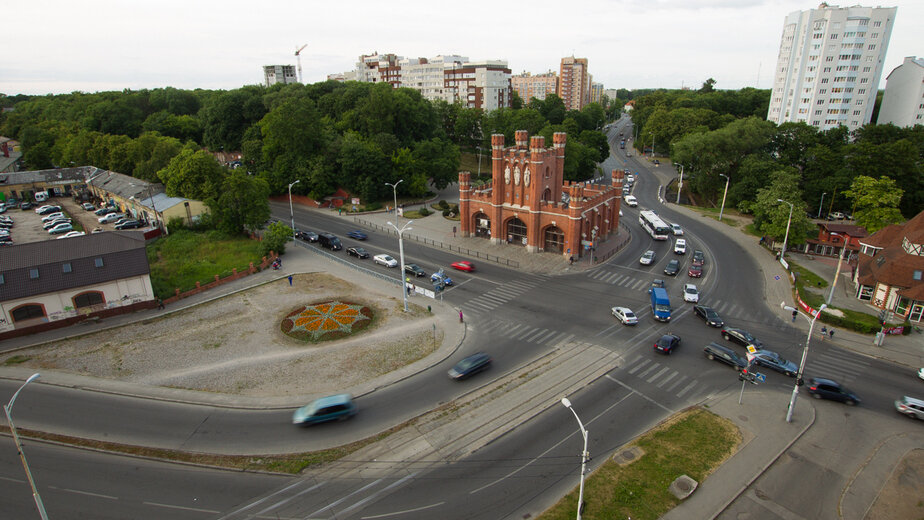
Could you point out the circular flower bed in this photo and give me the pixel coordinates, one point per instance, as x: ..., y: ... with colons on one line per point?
x: 326, y: 320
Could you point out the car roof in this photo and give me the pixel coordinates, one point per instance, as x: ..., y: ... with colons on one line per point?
x: 332, y: 400
x: 723, y: 348
x: 823, y: 381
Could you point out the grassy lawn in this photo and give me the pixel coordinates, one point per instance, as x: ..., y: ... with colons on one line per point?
x: 469, y: 162
x: 185, y: 257
x: 694, y: 443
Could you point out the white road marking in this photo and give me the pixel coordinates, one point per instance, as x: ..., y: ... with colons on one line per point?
x: 634, y: 391
x: 406, y: 511
x: 170, y: 506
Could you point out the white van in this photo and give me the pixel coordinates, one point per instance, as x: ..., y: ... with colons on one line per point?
x: 41, y: 196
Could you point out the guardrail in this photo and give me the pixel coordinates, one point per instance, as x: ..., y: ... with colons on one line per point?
x: 436, y: 243
x: 347, y: 263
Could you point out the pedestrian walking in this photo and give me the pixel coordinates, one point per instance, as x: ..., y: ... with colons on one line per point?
x: 160, y: 304
x: 290, y: 280
x: 831, y: 333
x: 571, y: 260
x: 460, y: 315
x: 824, y: 332
x: 794, y: 314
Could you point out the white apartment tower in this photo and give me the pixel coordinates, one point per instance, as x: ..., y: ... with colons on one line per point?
x: 903, y: 100
x: 829, y: 65
x: 284, y: 74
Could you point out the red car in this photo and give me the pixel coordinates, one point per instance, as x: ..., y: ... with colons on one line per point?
x: 464, y: 265
x: 695, y: 271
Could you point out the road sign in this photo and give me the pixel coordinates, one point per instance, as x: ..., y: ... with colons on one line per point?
x: 750, y: 357
x: 752, y: 349
x: 760, y: 377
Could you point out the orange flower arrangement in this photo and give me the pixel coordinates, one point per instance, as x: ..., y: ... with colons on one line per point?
x: 327, y: 320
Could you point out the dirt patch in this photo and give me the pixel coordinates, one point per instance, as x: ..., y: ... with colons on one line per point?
x: 901, y: 496
x: 235, y: 345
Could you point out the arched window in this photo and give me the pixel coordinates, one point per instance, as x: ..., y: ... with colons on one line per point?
x: 28, y: 312
x: 88, y: 299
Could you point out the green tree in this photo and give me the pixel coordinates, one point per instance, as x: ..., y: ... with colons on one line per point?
x: 875, y: 202
x: 275, y: 238
x: 291, y: 134
x: 771, y: 216
x: 193, y: 174
x: 243, y: 204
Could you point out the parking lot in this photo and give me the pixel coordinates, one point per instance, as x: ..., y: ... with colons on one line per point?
x: 28, y: 224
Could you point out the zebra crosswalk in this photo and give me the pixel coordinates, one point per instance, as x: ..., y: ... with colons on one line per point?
x: 663, y: 376
x: 526, y: 333
x: 500, y: 295
x: 837, y: 365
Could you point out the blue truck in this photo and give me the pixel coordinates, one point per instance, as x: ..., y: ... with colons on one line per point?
x: 660, y: 304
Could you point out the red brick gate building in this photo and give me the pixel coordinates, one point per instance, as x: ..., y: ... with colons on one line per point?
x: 528, y: 203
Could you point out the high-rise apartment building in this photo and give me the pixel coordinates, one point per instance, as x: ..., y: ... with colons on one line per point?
x: 574, y: 83
x: 596, y: 92
x: 529, y: 86
x: 903, y: 99
x: 454, y: 79
x: 829, y: 65
x: 284, y: 74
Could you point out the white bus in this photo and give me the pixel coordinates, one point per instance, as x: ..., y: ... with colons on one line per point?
x: 652, y: 223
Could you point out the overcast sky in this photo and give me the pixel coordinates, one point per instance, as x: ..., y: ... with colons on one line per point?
x: 52, y: 46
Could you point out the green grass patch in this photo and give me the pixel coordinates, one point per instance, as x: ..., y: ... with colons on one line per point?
x: 414, y: 215
x: 469, y: 162
x: 185, y: 257
x: 693, y: 443
x: 16, y: 360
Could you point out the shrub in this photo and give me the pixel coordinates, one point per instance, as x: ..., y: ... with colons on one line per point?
x: 447, y: 212
x: 175, y: 224
x: 372, y: 206
x: 424, y: 211
x: 443, y: 204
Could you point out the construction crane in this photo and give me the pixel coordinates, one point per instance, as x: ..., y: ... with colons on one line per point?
x: 298, y: 55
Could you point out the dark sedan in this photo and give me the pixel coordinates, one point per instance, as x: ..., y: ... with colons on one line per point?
x: 699, y: 258
x: 741, y: 337
x: 673, y: 267
x: 414, y: 269
x: 667, y: 343
x: 357, y: 235
x: 470, y: 366
x: 358, y: 252
x: 717, y: 352
x: 770, y: 359
x: 307, y: 236
x: 128, y: 224
x: 828, y: 389
x: 709, y: 315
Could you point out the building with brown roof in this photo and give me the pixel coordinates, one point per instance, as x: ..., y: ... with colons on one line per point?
x: 832, y: 238
x: 53, y: 280
x: 890, y: 271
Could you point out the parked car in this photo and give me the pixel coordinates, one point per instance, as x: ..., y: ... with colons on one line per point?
x: 47, y: 209
x: 911, y: 407
x: 70, y: 234
x: 25, y: 205
x: 656, y: 283
x: 647, y: 258
x: 828, y: 389
x: 741, y: 337
x: 699, y: 258
x: 110, y: 217
x: 52, y: 216
x: 440, y: 278
x: 624, y: 315
x: 61, y: 228
x: 105, y: 210
x: 672, y: 268
x: 357, y: 235
x: 52, y: 223
x: 676, y: 230
x: 680, y: 246
x: 667, y: 343
x: 463, y: 265
x: 128, y: 224
x: 385, y: 260
x: 690, y: 293
x: 695, y: 271
x: 631, y: 201
x: 709, y: 315
x: 87, y: 206
x: 770, y: 359
x: 470, y: 366
x: 307, y: 236
x: 717, y: 352
x: 358, y: 252
x: 332, y: 408
x: 330, y: 241
x: 414, y: 269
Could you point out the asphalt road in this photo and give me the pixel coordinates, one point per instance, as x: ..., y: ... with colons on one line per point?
x: 513, y: 315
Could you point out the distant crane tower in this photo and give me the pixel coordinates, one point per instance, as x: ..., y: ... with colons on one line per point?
x: 298, y: 55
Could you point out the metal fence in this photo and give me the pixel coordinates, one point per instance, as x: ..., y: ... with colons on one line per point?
x: 436, y: 243
x: 336, y: 258
x: 622, y: 243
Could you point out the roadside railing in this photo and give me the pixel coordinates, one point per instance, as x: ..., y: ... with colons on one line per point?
x: 336, y: 258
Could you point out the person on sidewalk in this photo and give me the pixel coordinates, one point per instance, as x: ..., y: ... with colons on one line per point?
x: 831, y: 333
x: 460, y: 315
x: 794, y: 314
x: 824, y: 332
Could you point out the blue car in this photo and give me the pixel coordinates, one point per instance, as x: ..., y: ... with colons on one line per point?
x: 441, y: 278
x: 358, y: 235
x: 332, y: 408
x: 770, y: 359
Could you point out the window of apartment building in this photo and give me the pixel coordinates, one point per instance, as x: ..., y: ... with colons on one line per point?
x: 837, y: 90
x: 861, y: 91
x: 859, y: 102
x: 827, y: 69
x: 841, y: 68
x: 875, y: 35
x: 864, y: 80
x: 833, y: 36
x: 875, y: 24
x: 818, y: 36
x: 867, y: 69
x: 869, y: 58
x: 33, y: 274
x: 818, y: 113
x: 66, y: 267
x: 824, y: 80
x: 838, y: 79
x: 829, y: 58
x: 823, y: 91
x: 872, y: 46
x: 857, y: 112
x: 98, y: 261
x: 816, y: 47
x: 866, y: 22
x: 820, y: 102
x: 819, y: 25
x: 806, y: 100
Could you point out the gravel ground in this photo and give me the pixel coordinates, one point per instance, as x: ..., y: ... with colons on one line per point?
x: 234, y: 345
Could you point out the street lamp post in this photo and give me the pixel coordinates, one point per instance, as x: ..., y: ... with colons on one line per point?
x: 788, y: 222
x: 821, y: 204
x: 400, y: 232
x: 795, y: 388
x: 394, y: 188
x: 9, y: 418
x: 584, y: 455
x: 724, y: 194
x: 680, y: 184
x: 837, y: 272
x: 291, y: 211
x: 479, y: 161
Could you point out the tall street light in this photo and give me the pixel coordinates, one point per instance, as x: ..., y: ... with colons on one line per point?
x: 721, y: 211
x: 821, y: 204
x: 9, y: 418
x: 788, y: 222
x: 584, y: 455
x: 394, y: 188
x: 837, y: 272
x: 795, y: 388
x: 400, y: 232
x: 291, y: 211
x: 680, y: 184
